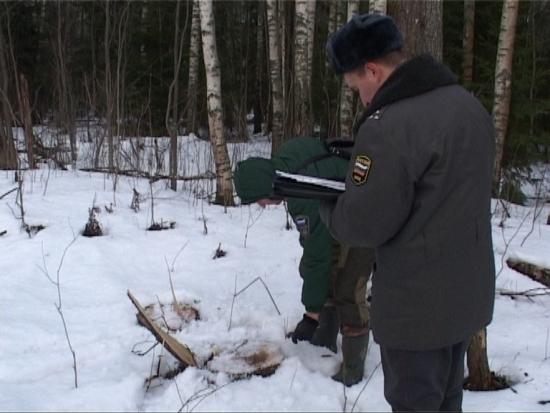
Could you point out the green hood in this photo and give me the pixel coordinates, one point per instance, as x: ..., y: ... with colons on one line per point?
x: 253, y: 179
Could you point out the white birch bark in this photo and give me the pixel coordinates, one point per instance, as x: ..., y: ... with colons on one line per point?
x: 346, y: 94
x: 275, y: 75
x: 224, y: 183
x: 503, y: 82
x: 301, y: 87
x: 194, y: 52
x: 378, y: 6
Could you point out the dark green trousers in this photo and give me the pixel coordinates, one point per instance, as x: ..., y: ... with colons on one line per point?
x: 351, y: 271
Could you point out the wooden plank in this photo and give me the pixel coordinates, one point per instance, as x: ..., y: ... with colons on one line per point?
x: 178, y: 350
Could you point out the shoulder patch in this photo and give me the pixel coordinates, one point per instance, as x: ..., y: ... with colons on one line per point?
x: 361, y: 169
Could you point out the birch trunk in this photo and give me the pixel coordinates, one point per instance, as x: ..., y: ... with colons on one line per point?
x: 503, y: 83
x: 301, y: 86
x: 346, y: 99
x: 224, y: 183
x: 421, y: 22
x: 25, y: 110
x: 194, y: 54
x: 377, y: 6
x: 468, y: 43
x: 277, y: 131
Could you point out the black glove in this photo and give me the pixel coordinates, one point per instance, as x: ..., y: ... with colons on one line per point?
x: 304, y: 330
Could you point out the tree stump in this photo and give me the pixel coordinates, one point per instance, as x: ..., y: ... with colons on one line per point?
x: 480, y: 376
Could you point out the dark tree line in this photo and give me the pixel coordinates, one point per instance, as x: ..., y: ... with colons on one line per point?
x: 114, y: 62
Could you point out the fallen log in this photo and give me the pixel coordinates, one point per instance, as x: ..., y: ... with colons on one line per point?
x: 140, y: 174
x: 535, y: 272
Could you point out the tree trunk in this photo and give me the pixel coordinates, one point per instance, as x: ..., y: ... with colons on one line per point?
x: 172, y: 113
x: 480, y: 376
x: 346, y: 100
x: 378, y: 6
x: 311, y: 9
x: 468, y: 43
x: 503, y: 83
x: 193, y: 83
x: 25, y: 110
x: 421, y: 22
x: 109, y: 105
x: 66, y: 113
x: 224, y: 183
x: 301, y: 88
x: 8, y: 153
x: 277, y: 131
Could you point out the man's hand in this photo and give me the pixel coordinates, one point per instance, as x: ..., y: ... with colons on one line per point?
x: 304, y: 329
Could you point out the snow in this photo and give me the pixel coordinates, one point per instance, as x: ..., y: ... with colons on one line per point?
x: 36, y: 365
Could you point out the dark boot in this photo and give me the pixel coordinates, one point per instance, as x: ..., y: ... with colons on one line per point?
x: 354, y: 351
x: 325, y: 335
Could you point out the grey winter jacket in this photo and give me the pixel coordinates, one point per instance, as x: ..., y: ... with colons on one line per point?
x: 419, y: 191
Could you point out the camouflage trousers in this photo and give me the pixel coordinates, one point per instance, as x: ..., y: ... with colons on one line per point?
x: 351, y: 271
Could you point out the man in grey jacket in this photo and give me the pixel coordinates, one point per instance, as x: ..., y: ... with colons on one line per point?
x: 419, y: 191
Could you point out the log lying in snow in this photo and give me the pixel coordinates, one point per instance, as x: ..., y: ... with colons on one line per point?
x: 539, y: 274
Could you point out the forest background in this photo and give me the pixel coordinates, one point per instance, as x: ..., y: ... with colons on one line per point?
x: 105, y: 72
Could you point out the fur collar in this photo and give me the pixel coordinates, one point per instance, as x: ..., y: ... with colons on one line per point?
x: 414, y: 77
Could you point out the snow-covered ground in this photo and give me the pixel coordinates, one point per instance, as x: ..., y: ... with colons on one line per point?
x: 36, y: 365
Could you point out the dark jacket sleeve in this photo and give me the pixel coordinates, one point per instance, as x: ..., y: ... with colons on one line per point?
x: 316, y: 262
x: 369, y: 214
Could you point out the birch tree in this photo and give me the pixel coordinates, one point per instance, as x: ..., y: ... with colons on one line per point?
x: 468, y: 43
x: 503, y: 83
x: 377, y: 6
x: 277, y: 131
x: 193, y: 80
x: 480, y: 376
x: 301, y: 87
x: 346, y: 100
x: 224, y: 183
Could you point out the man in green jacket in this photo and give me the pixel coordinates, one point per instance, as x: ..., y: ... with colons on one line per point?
x: 334, y: 277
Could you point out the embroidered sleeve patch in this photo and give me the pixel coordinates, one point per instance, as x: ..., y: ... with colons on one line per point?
x: 361, y: 169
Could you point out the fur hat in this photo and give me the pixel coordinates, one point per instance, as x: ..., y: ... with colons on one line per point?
x: 253, y: 179
x: 365, y: 37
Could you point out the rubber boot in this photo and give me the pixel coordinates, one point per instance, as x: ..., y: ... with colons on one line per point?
x: 354, y: 351
x: 326, y: 333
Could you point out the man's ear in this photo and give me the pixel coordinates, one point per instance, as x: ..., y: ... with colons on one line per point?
x: 373, y: 70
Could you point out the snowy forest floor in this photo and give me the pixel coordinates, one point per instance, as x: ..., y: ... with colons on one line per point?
x: 94, y: 275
